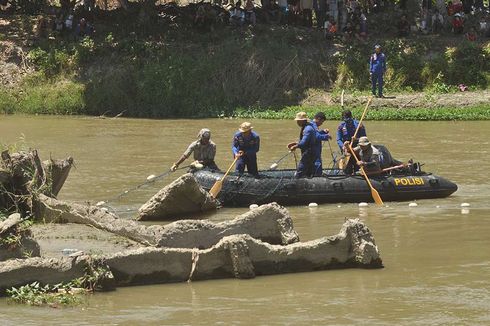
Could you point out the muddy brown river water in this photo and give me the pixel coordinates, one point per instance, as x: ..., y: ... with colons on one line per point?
x: 436, y: 255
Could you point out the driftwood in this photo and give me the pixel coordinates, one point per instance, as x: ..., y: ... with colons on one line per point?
x: 23, y: 176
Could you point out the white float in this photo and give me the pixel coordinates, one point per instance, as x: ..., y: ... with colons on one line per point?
x: 151, y: 177
x: 363, y: 204
x: 100, y: 203
x: 253, y: 206
x: 413, y: 205
x: 465, y: 205
x: 312, y: 205
x: 198, y: 166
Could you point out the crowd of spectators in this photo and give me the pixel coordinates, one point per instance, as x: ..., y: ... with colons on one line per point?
x: 338, y: 19
x: 464, y: 17
x: 69, y: 20
x: 348, y: 19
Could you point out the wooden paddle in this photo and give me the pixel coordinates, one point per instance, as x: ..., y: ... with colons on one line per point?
x: 362, y: 118
x: 343, y: 162
x: 374, y: 192
x: 216, y: 188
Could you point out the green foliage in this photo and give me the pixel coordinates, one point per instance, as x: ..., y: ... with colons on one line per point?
x: 467, y: 64
x: 10, y: 241
x: 438, y: 86
x: 63, y: 293
x: 333, y: 113
x: 85, y: 50
x: 8, y: 102
x: 36, y: 295
x: 51, y: 62
x: 53, y: 97
x: 205, y: 75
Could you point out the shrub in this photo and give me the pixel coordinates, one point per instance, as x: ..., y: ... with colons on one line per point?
x: 58, y: 97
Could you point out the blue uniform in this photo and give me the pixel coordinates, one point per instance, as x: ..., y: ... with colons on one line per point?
x: 346, y: 130
x: 308, y: 145
x: 377, y: 67
x: 250, y: 146
x: 321, y: 135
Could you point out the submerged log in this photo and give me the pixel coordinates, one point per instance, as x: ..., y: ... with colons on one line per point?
x: 235, y: 256
x: 242, y: 256
x: 182, y: 197
x: 270, y: 223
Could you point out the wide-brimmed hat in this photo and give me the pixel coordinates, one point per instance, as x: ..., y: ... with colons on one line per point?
x: 204, y: 133
x: 246, y: 126
x: 377, y: 46
x: 364, y: 141
x: 301, y: 116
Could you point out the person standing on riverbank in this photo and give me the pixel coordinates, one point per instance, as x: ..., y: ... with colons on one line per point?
x: 377, y: 68
x: 246, y: 144
x: 204, y: 150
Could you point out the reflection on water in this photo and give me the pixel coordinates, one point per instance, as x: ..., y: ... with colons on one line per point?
x: 435, y: 255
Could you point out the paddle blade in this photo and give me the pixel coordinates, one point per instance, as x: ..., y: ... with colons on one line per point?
x: 273, y: 166
x: 216, y: 188
x: 376, y: 196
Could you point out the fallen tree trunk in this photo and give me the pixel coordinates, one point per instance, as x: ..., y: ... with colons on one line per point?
x: 270, y: 223
x: 239, y: 256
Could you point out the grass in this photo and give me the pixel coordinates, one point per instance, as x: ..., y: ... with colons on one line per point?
x: 481, y: 112
x: 179, y: 73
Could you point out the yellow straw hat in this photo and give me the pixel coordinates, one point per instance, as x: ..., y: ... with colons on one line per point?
x: 246, y: 126
x: 301, y: 116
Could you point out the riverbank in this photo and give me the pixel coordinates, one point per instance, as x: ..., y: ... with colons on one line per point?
x: 175, y: 71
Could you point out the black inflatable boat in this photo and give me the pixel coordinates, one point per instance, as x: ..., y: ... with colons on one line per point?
x: 333, y: 187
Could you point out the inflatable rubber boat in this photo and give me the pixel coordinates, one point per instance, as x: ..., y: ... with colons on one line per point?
x: 332, y: 187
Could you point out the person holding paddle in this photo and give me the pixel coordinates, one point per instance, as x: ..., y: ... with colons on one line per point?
x: 369, y: 156
x: 347, y: 129
x: 346, y: 133
x: 246, y: 144
x: 307, y: 143
x: 204, y: 150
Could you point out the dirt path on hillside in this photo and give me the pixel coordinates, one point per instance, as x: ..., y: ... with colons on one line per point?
x: 405, y: 101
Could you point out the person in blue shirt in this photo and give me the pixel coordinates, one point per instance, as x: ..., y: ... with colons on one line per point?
x: 246, y: 144
x: 307, y: 143
x: 346, y: 130
x: 321, y: 135
x: 377, y: 68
